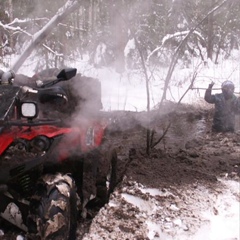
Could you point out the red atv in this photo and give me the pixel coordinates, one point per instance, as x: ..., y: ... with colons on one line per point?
x: 49, y: 171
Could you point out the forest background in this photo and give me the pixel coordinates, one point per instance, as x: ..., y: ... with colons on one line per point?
x: 149, y: 39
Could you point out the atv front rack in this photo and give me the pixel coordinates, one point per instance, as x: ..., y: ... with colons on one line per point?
x: 8, y: 96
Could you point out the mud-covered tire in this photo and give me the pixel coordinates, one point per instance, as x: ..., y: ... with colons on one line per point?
x: 107, y: 181
x: 54, y: 208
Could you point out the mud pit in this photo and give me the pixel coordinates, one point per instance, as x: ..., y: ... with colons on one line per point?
x: 187, y: 188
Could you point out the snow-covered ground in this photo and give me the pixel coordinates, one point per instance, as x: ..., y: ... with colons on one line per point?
x: 137, y: 212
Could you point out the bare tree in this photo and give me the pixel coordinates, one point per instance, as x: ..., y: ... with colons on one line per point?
x: 179, y: 48
x: 11, y: 19
x: 210, y: 34
x: 147, y: 90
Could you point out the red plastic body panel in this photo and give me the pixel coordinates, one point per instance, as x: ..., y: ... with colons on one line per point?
x: 73, y: 137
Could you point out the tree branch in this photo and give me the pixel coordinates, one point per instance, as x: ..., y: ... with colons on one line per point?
x: 63, y: 12
x: 181, y: 45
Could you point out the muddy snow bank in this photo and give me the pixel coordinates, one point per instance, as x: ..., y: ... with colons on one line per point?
x: 192, y: 212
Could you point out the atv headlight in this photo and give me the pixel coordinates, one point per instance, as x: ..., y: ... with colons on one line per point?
x: 29, y: 110
x: 40, y: 144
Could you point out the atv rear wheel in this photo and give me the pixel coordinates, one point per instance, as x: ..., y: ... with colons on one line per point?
x: 55, y: 208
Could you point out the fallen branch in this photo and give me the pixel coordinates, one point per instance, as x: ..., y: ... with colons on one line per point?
x: 196, y: 88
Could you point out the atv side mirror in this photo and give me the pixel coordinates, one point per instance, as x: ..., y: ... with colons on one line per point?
x: 64, y: 75
x: 67, y: 74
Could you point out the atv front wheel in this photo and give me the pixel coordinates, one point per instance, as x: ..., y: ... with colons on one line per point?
x: 55, y: 208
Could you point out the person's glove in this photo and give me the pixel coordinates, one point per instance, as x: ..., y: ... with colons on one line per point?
x: 211, y: 85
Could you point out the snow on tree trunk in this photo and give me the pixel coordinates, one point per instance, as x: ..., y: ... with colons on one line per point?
x: 38, y: 37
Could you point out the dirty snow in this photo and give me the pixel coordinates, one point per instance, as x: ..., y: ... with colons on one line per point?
x: 203, y: 214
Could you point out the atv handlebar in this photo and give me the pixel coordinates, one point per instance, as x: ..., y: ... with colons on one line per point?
x: 7, y: 78
x: 26, y: 89
x: 45, y: 92
x: 14, y: 98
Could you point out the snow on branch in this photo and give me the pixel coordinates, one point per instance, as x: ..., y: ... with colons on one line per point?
x: 186, y: 34
x: 53, y: 52
x: 180, y: 34
x: 174, y: 36
x: 25, y: 20
x: 15, y: 29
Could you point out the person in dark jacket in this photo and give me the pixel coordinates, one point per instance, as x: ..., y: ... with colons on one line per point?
x: 226, y: 106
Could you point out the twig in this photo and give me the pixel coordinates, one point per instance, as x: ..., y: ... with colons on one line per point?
x: 163, y: 135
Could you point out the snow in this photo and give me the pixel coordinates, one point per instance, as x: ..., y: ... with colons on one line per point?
x: 223, y: 225
x: 129, y: 46
x: 143, y: 205
x: 218, y: 220
x: 180, y: 35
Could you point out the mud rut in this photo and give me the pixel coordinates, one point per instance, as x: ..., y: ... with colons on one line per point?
x: 188, y: 152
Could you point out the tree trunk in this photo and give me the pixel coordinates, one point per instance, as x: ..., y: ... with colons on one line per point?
x: 210, y: 34
x: 10, y: 5
x: 119, y: 35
